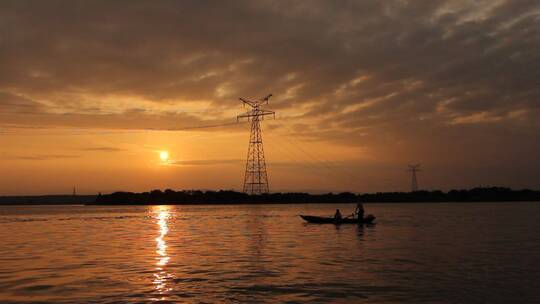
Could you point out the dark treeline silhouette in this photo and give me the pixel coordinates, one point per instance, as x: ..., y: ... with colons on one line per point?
x: 489, y: 194
x: 220, y: 197
x: 492, y: 194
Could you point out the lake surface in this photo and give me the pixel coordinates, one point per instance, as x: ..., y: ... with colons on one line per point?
x: 416, y: 253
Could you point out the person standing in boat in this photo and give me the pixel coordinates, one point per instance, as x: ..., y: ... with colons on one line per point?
x: 338, y: 215
x: 359, y: 211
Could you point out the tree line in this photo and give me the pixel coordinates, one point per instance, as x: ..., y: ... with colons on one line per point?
x: 157, y: 197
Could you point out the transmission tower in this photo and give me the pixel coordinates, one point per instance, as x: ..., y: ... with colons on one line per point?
x: 255, y: 178
x: 414, y: 182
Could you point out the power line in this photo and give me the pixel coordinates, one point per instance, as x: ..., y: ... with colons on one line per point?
x: 324, y: 163
x: 9, y: 130
x: 194, y: 127
x: 290, y: 154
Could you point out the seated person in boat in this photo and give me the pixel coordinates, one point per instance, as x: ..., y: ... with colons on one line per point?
x: 337, y: 216
x: 359, y: 211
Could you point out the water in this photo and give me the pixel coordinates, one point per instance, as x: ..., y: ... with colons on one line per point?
x: 416, y: 253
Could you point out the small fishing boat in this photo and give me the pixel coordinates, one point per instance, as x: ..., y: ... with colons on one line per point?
x: 368, y: 219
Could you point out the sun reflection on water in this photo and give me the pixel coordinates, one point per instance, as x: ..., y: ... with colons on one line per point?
x: 161, y: 276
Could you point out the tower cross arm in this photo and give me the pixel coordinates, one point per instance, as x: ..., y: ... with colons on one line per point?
x: 248, y: 102
x: 254, y: 113
x: 265, y: 99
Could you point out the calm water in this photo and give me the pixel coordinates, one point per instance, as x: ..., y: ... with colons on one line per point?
x: 416, y: 253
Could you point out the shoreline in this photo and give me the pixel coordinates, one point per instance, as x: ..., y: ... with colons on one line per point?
x: 228, y: 197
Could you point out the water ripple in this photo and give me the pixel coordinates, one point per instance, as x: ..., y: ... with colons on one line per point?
x: 214, y: 254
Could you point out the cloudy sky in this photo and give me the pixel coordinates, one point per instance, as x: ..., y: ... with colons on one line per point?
x: 92, y: 91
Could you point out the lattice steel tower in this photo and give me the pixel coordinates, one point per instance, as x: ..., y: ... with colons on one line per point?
x: 255, y: 178
x: 414, y: 182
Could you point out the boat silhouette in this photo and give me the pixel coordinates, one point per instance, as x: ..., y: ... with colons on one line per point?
x: 331, y: 220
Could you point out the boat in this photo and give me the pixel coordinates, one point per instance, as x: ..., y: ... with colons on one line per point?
x: 368, y: 219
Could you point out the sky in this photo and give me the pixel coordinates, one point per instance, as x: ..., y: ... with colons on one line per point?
x: 91, y: 92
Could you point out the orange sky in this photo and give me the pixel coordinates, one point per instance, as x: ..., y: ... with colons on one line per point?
x: 91, y: 92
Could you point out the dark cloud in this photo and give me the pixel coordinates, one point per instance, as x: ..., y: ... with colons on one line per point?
x: 318, y: 164
x: 103, y: 149
x: 423, y: 52
x: 206, y: 162
x: 14, y: 104
x: 43, y: 157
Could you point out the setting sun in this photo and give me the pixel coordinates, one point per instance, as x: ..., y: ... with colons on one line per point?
x: 164, y: 156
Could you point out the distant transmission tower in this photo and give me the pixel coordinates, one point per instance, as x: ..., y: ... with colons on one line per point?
x: 414, y: 182
x: 255, y: 178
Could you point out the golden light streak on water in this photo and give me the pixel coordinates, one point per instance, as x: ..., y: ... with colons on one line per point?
x: 161, y: 276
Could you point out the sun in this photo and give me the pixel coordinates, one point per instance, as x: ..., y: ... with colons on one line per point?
x: 164, y: 156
